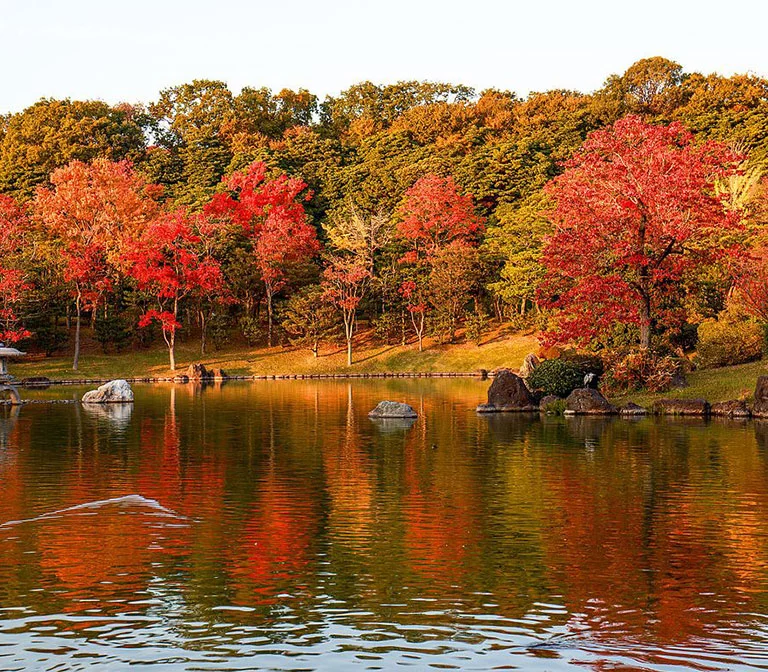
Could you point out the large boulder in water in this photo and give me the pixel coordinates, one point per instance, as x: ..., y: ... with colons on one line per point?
x: 760, y: 408
x: 113, y: 392
x: 392, y: 409
x: 508, y: 393
x: 588, y: 401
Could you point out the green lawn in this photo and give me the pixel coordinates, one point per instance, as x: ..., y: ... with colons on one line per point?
x: 507, y: 350
x: 732, y: 382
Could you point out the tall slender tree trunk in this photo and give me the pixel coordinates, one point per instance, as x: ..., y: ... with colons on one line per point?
x: 76, y: 361
x: 203, y: 328
x: 172, y: 350
x: 269, y: 315
x: 645, y: 323
x: 172, y: 338
x: 349, y: 329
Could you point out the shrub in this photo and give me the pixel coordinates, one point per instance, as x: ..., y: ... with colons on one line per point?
x: 724, y: 342
x: 253, y: 330
x: 556, y: 376
x: 219, y: 329
x: 477, y: 325
x: 387, y: 328
x: 642, y: 370
x: 112, y: 329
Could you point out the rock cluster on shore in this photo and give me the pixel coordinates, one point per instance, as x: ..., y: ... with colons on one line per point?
x: 508, y: 393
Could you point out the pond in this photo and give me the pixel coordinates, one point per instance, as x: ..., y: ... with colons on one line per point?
x: 272, y: 525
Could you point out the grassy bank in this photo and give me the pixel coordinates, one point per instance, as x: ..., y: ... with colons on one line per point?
x: 731, y: 382
x: 498, y: 350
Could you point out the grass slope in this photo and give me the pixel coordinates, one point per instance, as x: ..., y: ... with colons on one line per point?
x: 498, y: 350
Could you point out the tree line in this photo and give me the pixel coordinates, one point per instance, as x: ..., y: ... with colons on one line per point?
x: 416, y: 207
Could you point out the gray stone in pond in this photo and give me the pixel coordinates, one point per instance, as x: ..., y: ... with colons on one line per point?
x: 113, y: 392
x: 735, y: 408
x: 633, y: 409
x: 588, y: 401
x: 760, y: 408
x: 392, y: 409
x: 681, y: 407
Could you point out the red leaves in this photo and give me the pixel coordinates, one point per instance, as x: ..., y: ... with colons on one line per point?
x: 271, y: 213
x: 168, y: 262
x: 434, y: 214
x: 636, y: 211
x: 167, y: 320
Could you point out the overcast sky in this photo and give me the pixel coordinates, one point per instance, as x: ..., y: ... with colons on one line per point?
x: 128, y: 51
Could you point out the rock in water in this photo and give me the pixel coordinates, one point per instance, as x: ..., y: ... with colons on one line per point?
x: 760, y: 409
x: 198, y: 372
x: 681, y: 407
x: 392, y: 409
x: 546, y: 404
x: 588, y: 401
x: 632, y: 409
x: 113, y: 392
x: 508, y: 393
x: 730, y: 409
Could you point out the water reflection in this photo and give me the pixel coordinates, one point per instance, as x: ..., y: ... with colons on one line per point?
x: 275, y: 525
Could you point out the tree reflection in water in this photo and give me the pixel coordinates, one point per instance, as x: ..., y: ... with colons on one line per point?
x: 303, y: 525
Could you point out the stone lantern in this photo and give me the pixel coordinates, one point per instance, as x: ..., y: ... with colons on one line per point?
x: 6, y: 378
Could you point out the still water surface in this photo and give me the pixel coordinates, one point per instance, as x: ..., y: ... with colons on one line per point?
x: 272, y: 525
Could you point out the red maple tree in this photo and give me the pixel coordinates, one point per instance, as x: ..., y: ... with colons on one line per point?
x: 636, y: 210
x: 13, y: 283
x: 271, y: 213
x: 169, y: 264
x: 433, y: 216
x: 95, y: 210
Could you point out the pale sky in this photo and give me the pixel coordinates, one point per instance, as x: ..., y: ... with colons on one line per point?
x: 129, y: 50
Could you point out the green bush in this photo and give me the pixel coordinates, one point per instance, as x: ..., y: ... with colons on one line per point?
x: 253, y: 330
x: 726, y: 342
x: 111, y: 330
x: 220, y: 329
x: 557, y: 376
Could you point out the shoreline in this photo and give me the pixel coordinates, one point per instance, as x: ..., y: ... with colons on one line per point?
x: 482, y: 375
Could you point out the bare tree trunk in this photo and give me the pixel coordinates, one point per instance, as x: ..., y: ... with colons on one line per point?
x: 203, y: 328
x: 645, y: 324
x: 269, y: 317
x: 349, y: 329
x: 172, y: 350
x: 76, y: 361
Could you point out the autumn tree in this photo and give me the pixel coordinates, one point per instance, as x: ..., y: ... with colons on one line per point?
x: 516, y: 241
x: 345, y: 282
x: 94, y: 210
x: 635, y: 211
x: 270, y: 213
x: 52, y: 133
x: 169, y: 264
x: 453, y: 277
x: 437, y: 226
x: 308, y: 318
x: 14, y: 285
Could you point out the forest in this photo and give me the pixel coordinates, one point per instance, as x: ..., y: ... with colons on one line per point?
x: 627, y: 222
